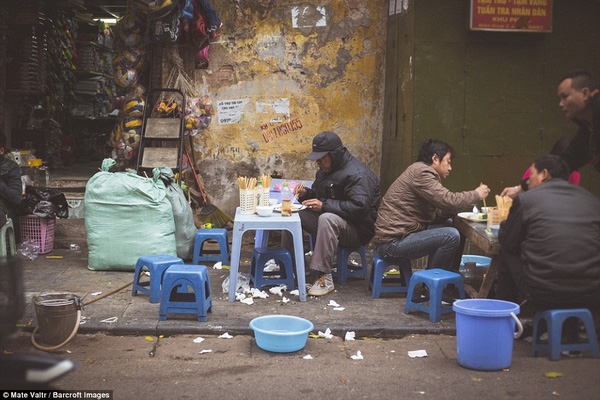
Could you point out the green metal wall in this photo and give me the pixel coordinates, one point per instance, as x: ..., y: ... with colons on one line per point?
x: 491, y: 95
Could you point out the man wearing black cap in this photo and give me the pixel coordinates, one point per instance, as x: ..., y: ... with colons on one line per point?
x: 341, y: 207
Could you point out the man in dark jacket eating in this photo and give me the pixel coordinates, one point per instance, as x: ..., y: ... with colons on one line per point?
x: 341, y: 207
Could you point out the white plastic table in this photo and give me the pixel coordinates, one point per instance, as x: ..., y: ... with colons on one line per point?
x: 249, y: 222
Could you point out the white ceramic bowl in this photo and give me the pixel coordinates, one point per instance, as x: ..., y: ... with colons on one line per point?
x: 264, y: 211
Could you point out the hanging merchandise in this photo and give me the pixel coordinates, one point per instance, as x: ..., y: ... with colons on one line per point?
x: 165, y: 22
x: 125, y: 136
x: 130, y: 29
x: 198, y: 115
x: 211, y: 18
x: 134, y: 107
x: 199, y: 39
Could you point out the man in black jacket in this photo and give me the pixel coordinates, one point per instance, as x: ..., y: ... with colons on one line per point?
x: 341, y: 207
x: 550, y: 254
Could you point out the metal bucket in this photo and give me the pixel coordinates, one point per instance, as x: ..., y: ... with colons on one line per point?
x: 57, y: 317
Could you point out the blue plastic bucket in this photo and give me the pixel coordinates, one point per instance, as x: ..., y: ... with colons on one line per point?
x: 485, y: 333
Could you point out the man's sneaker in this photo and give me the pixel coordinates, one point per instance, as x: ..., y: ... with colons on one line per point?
x: 322, y: 286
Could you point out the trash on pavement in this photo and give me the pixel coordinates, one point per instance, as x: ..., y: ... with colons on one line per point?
x: 417, y: 353
x: 327, y: 334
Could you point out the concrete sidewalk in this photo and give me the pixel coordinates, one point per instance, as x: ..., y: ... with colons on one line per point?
x: 66, y: 271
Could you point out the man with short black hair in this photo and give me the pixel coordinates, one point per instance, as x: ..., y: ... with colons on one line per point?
x: 413, y: 219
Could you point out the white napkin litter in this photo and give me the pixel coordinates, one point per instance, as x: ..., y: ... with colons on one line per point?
x: 417, y: 353
x: 327, y: 334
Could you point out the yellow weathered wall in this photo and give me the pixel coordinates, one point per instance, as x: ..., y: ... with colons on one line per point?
x: 332, y: 76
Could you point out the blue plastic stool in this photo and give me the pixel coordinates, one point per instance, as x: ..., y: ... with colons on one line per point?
x: 156, y: 265
x: 217, y: 234
x: 399, y: 284
x: 554, y: 321
x: 186, y: 290
x: 436, y: 280
x: 260, y: 256
x: 343, y: 269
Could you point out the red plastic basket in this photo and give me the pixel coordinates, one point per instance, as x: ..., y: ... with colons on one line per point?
x: 38, y: 230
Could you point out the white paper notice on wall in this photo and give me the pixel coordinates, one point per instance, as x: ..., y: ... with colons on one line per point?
x: 230, y: 111
x: 308, y: 16
x: 281, y: 107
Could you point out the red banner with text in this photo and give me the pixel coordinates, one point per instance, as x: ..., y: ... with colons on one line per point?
x: 511, y: 15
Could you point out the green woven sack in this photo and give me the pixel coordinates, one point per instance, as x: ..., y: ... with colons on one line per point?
x: 126, y: 217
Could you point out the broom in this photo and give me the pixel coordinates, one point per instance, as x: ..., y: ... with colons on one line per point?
x: 209, y: 213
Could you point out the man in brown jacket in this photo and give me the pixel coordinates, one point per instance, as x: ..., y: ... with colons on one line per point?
x: 413, y: 218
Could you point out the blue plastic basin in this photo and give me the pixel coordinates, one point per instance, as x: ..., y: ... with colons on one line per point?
x: 480, y: 261
x: 281, y: 333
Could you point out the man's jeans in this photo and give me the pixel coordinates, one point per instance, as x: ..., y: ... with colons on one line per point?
x: 439, y: 242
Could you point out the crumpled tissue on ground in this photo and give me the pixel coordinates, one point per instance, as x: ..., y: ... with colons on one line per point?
x: 327, y: 334
x: 278, y: 290
x: 336, y: 306
x: 258, y: 293
x: 417, y: 353
x: 226, y: 335
x: 350, y: 336
x: 357, y: 356
x: 271, y: 266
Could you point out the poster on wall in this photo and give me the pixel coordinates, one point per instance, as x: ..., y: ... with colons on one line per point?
x: 511, y: 15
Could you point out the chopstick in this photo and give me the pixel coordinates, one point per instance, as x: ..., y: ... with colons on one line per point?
x: 483, y: 198
x: 297, y: 190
